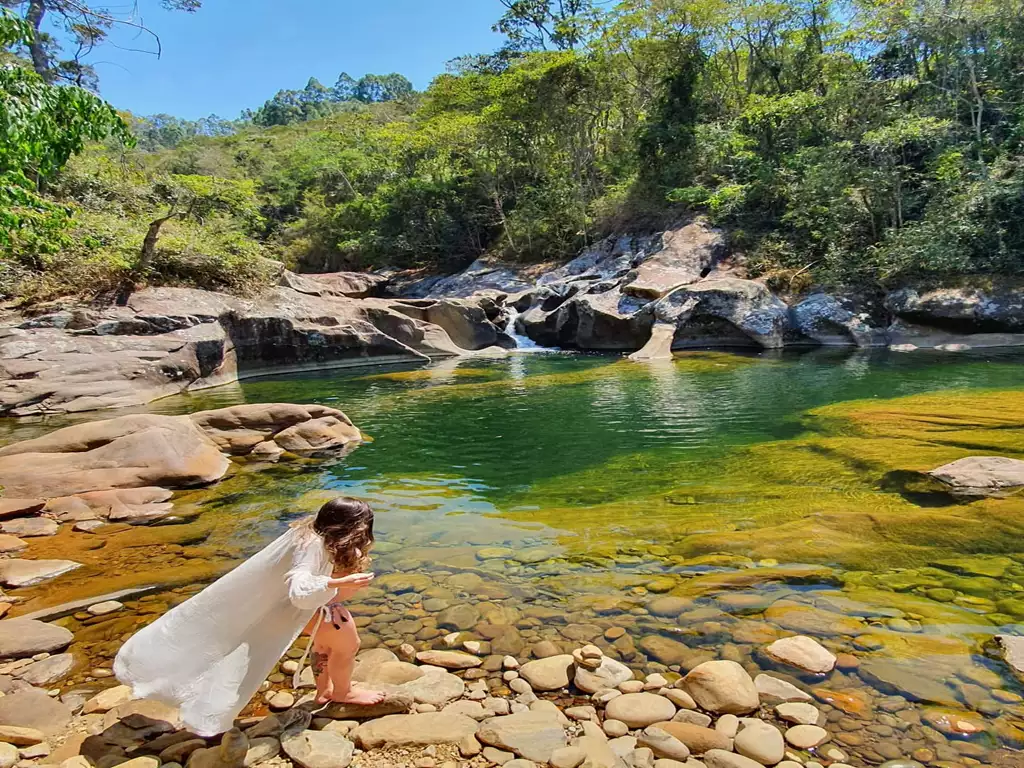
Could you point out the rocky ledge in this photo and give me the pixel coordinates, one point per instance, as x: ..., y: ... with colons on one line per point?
x: 458, y: 707
x: 682, y: 288
x: 124, y: 470
x: 172, y: 340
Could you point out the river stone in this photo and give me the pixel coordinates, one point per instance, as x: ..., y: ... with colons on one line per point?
x: 665, y: 650
x: 34, y: 709
x: 567, y: 757
x: 396, y: 701
x: 663, y: 744
x: 459, y: 617
x: 722, y: 687
x: 911, y: 682
x: 697, y: 738
x: 468, y: 708
x: 1013, y: 651
x: 21, y: 737
x: 805, y: 736
x: 548, y: 674
x: 610, y: 674
x: 806, y: 619
x: 534, y: 734
x: 760, y: 741
x: 27, y: 527
x: 26, y: 637
x: 669, y: 606
x: 261, y: 750
x: 9, y: 757
x: 25, y: 573
x: 719, y: 758
x: 388, y: 673
x: 449, y: 659
x: 772, y: 690
x: 601, y: 753
x: 414, y: 730
x: 639, y: 710
x: 798, y: 713
x: 318, y: 749
x: 981, y: 475
x: 10, y: 544
x: 44, y: 673
x: 693, y: 717
x: 102, y: 609
x: 436, y: 687
x: 804, y: 653
x: 680, y: 698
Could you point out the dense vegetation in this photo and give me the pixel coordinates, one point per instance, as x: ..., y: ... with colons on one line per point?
x: 879, y: 140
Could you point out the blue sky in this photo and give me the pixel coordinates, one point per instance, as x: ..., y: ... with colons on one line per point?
x: 234, y: 54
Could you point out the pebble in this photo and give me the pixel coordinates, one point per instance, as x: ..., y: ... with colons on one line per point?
x: 638, y: 710
x: 798, y: 713
x: 760, y: 741
x: 281, y: 700
x: 615, y: 728
x: 806, y: 736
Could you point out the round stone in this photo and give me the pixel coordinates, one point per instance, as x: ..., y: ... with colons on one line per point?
x: 760, y: 741
x: 639, y: 710
x: 615, y: 728
x: 804, y: 653
x: 798, y: 713
x: 806, y: 736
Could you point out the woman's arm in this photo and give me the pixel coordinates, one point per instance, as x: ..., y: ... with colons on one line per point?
x: 307, y: 589
x: 349, y: 585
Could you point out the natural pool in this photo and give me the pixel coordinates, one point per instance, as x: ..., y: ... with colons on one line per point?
x: 671, y: 512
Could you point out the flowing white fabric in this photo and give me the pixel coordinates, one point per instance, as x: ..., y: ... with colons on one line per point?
x: 209, y: 655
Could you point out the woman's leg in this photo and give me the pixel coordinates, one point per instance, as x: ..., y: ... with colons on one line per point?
x: 342, y: 659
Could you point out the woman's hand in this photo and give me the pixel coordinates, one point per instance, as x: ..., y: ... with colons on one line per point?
x: 349, y: 585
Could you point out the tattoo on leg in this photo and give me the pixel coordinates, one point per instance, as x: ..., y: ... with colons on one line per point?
x: 318, y: 661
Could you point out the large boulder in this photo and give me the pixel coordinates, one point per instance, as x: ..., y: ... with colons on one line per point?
x: 465, y: 321
x: 598, y: 321
x: 354, y: 285
x: 686, y: 255
x: 834, y: 321
x: 610, y: 259
x: 724, y: 311
x: 481, y: 275
x: 963, y: 310
x: 981, y: 476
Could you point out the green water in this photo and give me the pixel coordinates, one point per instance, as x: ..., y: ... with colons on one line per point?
x: 563, y: 496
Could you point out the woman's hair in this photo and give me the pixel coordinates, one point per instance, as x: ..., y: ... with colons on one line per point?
x: 346, y: 526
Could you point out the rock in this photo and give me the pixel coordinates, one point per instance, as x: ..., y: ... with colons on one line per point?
x: 798, y: 713
x: 548, y: 674
x: 663, y: 744
x: 835, y: 321
x: 414, y: 730
x: 355, y: 285
x: 1013, y: 651
x: 609, y: 320
x: 25, y: 573
x: 497, y: 756
x: 567, y: 757
x: 230, y: 753
x: 282, y: 700
x: 694, y: 718
x: 20, y: 638
x: 598, y: 750
x: 449, y: 659
x: 10, y: 544
x: 614, y: 728
x: 534, y: 735
x: 680, y: 698
x: 806, y: 619
x: 728, y: 725
x: 804, y: 653
x: 760, y: 741
x: 28, y: 527
x: 609, y: 674
x: 48, y: 671
x: 459, y: 617
x: 260, y: 750
x: 979, y: 475
x: 102, y: 609
x: 21, y: 737
x: 994, y: 309
x: 772, y: 690
x: 108, y: 699
x: 718, y: 758
x: 396, y: 701
x: 910, y: 681
x: 665, y: 650
x: 20, y: 507
x: 685, y: 256
x: 698, y: 739
x: 518, y: 763
x: 437, y: 687
x: 9, y: 756
x: 669, y: 607
x: 34, y: 709
x: 639, y: 710
x: 318, y: 749
x: 806, y: 736
x: 722, y: 687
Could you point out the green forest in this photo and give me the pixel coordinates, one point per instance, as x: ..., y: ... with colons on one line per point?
x: 867, y: 142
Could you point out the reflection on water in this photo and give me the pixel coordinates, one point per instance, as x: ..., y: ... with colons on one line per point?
x: 671, y: 512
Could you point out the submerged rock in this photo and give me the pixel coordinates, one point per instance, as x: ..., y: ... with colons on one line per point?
x: 804, y: 653
x: 981, y: 475
x: 722, y: 687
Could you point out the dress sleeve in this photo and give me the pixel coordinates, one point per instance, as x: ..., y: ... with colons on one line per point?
x: 307, y: 589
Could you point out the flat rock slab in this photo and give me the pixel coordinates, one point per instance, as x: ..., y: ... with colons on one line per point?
x: 318, y: 749
x: 27, y: 527
x: 981, y: 475
x: 34, y: 709
x: 20, y: 507
x: 20, y: 638
x: 449, y: 659
x: 9, y: 544
x: 415, y: 730
x: 912, y: 682
x: 48, y: 671
x: 533, y: 735
x: 25, y: 573
x: 395, y: 702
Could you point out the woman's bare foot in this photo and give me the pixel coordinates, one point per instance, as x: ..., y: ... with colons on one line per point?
x: 361, y: 697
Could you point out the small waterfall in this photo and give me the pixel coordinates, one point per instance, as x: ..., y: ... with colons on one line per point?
x: 522, y: 342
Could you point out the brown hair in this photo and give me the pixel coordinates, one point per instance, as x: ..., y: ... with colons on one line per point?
x: 346, y: 526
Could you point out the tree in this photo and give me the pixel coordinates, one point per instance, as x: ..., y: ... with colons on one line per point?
x: 344, y: 89
x: 315, y: 93
x: 84, y: 27
x: 531, y: 25
x: 378, y: 88
x: 41, y: 127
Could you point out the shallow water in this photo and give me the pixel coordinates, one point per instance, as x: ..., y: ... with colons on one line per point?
x: 673, y: 512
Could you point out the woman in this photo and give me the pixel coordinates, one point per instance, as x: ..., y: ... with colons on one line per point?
x: 209, y: 655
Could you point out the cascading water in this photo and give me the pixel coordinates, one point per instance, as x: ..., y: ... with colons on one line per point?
x: 523, y: 343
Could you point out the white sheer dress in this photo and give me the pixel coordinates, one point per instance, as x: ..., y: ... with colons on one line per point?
x: 209, y: 655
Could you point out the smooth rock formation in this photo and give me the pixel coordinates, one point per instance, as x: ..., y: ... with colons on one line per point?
x: 34, y: 709
x: 20, y: 638
x: 533, y: 735
x: 685, y: 256
x: 25, y: 573
x: 722, y: 687
x: 639, y: 710
x: 772, y: 690
x: 981, y: 475
x: 718, y: 758
x: 609, y: 674
x: 1013, y: 651
x: 414, y: 730
x: 760, y: 741
x: 549, y: 674
x: 803, y: 652
x: 698, y: 739
x: 318, y: 749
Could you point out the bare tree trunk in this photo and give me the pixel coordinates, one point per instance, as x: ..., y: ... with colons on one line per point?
x: 145, y: 258
x: 34, y: 16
